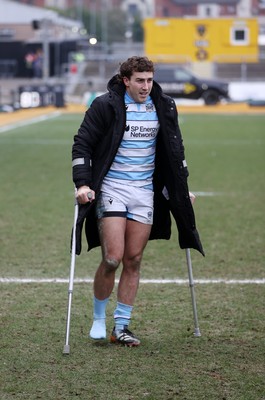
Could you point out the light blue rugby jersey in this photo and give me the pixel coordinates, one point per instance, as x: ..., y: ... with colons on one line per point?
x: 135, y: 160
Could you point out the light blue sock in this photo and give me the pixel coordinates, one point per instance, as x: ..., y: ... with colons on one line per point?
x: 100, y: 308
x: 122, y: 315
x: 98, y: 330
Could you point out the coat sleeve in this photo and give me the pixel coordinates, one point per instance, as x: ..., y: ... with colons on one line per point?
x: 85, y: 141
x: 179, y: 146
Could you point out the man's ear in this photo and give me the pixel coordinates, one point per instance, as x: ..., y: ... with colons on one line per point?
x: 125, y: 81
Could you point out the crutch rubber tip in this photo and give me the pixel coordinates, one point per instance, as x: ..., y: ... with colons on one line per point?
x: 66, y: 349
x: 197, y: 332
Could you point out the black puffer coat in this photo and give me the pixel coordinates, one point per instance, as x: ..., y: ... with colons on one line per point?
x: 96, y: 144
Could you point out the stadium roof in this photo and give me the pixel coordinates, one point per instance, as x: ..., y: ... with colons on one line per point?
x: 13, y: 12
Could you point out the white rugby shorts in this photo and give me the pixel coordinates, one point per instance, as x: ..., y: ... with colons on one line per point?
x: 116, y: 200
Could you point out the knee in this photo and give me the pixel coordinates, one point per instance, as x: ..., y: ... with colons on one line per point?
x: 134, y: 262
x: 111, y: 264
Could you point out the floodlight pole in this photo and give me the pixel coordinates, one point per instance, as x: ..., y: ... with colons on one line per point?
x: 45, y: 24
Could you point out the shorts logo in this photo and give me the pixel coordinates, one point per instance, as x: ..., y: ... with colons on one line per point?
x: 149, y: 214
x: 110, y: 200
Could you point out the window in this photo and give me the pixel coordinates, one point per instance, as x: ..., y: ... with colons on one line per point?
x: 132, y: 9
x: 182, y: 75
x: 165, y: 12
x: 208, y: 11
x: 231, y: 10
x: 239, y: 36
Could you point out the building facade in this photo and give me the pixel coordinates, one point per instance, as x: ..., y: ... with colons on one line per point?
x: 165, y: 8
x: 209, y: 8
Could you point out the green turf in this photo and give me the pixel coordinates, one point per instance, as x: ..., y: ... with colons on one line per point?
x: 225, y: 156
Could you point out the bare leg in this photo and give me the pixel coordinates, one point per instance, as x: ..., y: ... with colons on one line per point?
x: 111, y: 231
x: 136, y: 237
x: 112, y: 237
x: 124, y: 240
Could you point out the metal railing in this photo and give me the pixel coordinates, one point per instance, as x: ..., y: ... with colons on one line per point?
x: 246, y: 69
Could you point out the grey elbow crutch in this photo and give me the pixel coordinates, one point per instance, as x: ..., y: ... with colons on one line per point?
x: 66, y: 349
x: 197, y: 332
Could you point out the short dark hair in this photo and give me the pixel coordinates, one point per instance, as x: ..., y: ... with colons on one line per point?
x: 135, y: 64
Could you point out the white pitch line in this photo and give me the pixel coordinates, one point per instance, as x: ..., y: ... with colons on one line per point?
x: 144, y: 281
x: 206, y: 194
x: 31, y: 121
x: 38, y: 142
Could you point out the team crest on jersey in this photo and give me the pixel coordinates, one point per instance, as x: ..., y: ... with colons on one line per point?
x: 150, y: 107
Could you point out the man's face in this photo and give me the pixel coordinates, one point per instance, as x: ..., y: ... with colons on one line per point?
x: 139, y: 85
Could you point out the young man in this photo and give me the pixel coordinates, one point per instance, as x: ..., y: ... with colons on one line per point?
x: 130, y: 173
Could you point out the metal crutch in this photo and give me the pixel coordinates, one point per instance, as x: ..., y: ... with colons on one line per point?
x: 197, y: 332
x: 66, y: 349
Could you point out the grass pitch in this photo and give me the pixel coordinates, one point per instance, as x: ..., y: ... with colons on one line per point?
x: 225, y: 155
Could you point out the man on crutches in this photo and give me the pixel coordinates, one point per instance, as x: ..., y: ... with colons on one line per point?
x: 130, y: 173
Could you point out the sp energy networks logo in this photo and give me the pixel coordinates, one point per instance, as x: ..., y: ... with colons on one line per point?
x: 141, y: 131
